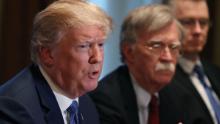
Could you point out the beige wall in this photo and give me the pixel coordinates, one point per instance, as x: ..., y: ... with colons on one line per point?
x: 217, y: 34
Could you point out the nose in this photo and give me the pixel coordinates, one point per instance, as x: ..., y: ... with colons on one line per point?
x: 166, y: 55
x: 96, y: 55
x: 197, y: 28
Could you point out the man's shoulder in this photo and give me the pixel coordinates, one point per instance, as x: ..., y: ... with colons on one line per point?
x: 112, y: 83
x: 115, y: 76
x: 20, y: 82
x: 113, y: 94
x: 13, y: 112
x: 22, y: 89
x: 114, y: 89
x: 210, y: 67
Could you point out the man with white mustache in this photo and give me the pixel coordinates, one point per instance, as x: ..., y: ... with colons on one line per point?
x: 165, y: 66
x: 150, y: 44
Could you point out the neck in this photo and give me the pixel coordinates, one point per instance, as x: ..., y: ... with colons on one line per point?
x: 191, y: 57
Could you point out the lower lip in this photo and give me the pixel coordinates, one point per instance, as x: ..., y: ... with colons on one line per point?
x: 94, y: 75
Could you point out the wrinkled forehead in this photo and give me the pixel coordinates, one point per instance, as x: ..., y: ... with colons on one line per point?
x: 194, y: 8
x: 86, y: 32
x: 169, y: 32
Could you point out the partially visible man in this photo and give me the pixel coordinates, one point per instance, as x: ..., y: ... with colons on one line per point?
x: 150, y: 44
x: 67, y: 52
x: 195, y: 77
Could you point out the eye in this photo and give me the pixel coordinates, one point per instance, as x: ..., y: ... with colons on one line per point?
x: 86, y: 45
x: 101, y: 45
x: 204, y: 22
x: 155, y: 45
x: 187, y: 22
x: 83, y: 46
x: 174, y: 47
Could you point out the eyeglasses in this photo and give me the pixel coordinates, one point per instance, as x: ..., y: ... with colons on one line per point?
x: 190, y: 22
x: 157, y: 47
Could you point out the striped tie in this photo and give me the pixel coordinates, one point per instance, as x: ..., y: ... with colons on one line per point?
x: 73, y: 113
x: 209, y: 91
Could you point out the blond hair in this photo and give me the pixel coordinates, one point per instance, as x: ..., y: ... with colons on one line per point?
x: 52, y: 23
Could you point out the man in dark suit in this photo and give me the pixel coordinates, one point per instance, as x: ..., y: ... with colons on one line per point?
x: 67, y: 51
x: 150, y: 44
x: 194, y: 16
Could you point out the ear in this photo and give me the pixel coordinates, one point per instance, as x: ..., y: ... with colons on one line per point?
x: 128, y: 51
x: 45, y: 56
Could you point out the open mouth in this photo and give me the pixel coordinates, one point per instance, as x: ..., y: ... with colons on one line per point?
x: 94, y: 75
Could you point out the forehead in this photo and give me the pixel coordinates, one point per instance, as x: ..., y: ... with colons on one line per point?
x: 191, y: 9
x: 82, y: 32
x: 168, y: 33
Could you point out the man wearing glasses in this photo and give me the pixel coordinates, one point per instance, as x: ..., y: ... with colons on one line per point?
x: 150, y: 44
x: 195, y: 77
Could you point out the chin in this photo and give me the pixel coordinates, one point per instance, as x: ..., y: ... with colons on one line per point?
x: 164, y: 80
x: 90, y: 87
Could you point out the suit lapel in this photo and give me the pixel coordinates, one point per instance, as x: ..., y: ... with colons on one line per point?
x: 87, y: 111
x: 169, y: 112
x: 50, y: 107
x: 129, y: 98
x: 183, y: 79
x: 213, y: 78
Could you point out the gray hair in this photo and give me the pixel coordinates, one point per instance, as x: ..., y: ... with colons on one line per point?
x: 52, y: 23
x: 150, y: 18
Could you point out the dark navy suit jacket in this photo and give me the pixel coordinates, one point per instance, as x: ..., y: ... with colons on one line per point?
x: 196, y: 108
x: 116, y: 101
x: 34, y: 102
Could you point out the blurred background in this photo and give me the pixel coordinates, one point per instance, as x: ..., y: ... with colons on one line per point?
x: 16, y: 17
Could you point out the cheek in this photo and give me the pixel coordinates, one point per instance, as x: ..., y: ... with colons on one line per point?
x: 148, y: 65
x: 74, y: 65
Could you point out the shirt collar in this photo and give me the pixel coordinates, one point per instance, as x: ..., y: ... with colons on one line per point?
x: 143, y: 97
x: 63, y: 101
x: 188, y: 65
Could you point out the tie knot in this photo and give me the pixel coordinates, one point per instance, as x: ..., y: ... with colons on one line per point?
x: 201, y: 75
x: 154, y: 111
x: 153, y: 102
x: 73, y: 108
x: 199, y: 70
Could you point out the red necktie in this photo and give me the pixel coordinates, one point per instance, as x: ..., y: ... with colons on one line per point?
x: 154, y: 111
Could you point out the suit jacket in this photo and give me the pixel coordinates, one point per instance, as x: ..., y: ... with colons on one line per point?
x: 116, y: 102
x: 29, y: 93
x: 196, y: 108
x: 20, y: 115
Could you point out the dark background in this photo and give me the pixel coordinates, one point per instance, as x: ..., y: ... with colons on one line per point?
x: 15, y: 31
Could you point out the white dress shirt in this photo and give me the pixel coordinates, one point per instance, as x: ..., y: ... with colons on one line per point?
x: 63, y: 101
x: 143, y: 100
x: 188, y: 67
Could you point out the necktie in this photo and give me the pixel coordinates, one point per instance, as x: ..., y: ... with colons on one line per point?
x: 153, y: 111
x: 215, y: 105
x: 73, y: 113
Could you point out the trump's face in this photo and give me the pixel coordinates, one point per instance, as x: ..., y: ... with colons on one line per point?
x: 76, y: 61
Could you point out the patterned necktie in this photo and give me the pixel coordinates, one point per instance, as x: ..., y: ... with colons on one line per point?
x: 73, y: 113
x: 154, y: 111
x: 215, y: 105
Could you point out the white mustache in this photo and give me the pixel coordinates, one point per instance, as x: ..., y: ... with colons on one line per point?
x: 165, y: 66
